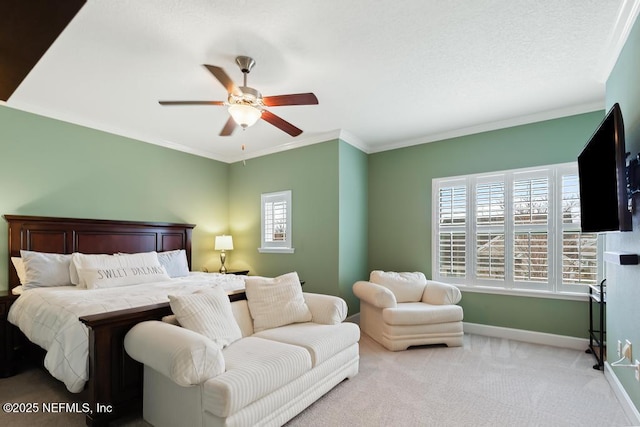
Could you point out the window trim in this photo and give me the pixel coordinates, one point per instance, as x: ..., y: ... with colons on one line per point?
x: 554, y: 286
x: 284, y: 247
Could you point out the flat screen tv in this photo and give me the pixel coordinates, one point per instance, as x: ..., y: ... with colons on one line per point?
x: 603, y: 179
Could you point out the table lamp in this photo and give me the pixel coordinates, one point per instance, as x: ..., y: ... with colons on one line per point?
x: 223, y: 243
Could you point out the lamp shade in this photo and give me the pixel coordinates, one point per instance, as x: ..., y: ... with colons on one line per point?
x: 224, y: 243
x: 244, y: 115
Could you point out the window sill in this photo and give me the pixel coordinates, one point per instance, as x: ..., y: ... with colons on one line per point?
x: 572, y: 296
x: 276, y: 250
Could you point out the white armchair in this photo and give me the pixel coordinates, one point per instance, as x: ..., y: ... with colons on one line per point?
x: 399, y: 310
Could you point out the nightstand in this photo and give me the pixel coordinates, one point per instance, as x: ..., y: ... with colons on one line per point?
x: 6, y: 334
x: 238, y: 272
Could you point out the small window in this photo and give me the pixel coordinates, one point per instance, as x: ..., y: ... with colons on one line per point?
x: 276, y: 222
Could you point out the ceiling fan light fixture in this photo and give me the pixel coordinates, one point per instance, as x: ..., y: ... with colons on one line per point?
x: 244, y: 115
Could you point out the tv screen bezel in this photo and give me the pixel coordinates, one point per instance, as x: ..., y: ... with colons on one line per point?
x: 616, y: 137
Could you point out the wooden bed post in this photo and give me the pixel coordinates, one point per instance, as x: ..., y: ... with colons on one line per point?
x: 115, y: 379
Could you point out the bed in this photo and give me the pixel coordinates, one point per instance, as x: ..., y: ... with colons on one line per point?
x: 113, y: 379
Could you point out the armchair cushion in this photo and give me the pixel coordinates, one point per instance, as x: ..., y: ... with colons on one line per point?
x: 419, y: 313
x: 406, y: 287
x: 439, y: 293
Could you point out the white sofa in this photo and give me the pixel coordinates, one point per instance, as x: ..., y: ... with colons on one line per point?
x: 264, y: 378
x: 400, y: 310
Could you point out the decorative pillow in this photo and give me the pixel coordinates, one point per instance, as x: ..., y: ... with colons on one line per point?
x: 98, y: 278
x: 276, y: 301
x: 406, y: 287
x: 19, y: 266
x: 209, y: 313
x: 45, y: 269
x: 175, y: 262
x: 105, y: 262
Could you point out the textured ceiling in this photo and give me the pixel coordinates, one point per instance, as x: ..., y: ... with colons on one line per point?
x: 387, y: 73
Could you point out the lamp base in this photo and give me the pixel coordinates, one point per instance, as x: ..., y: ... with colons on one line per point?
x: 223, y: 258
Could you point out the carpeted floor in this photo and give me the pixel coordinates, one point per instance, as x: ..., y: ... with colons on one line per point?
x: 487, y: 382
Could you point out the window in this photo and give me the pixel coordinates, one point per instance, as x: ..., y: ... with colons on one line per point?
x: 518, y: 229
x: 276, y: 222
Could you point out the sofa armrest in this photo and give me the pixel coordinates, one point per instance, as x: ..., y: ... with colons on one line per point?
x: 184, y: 356
x: 374, y: 294
x: 439, y: 293
x: 326, y: 309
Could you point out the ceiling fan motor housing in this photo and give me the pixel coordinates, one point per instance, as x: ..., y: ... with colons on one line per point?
x: 249, y: 96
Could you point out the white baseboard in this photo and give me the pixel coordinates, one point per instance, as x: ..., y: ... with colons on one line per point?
x: 629, y: 408
x: 527, y: 336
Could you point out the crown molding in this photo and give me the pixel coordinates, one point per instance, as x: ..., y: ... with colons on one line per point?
x: 491, y: 126
x: 627, y: 16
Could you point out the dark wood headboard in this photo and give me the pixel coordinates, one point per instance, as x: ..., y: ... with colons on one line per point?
x: 92, y: 236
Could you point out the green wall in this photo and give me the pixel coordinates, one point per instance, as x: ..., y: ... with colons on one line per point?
x: 311, y: 173
x: 623, y: 282
x: 329, y: 215
x: 53, y: 168
x: 353, y: 239
x: 400, y: 210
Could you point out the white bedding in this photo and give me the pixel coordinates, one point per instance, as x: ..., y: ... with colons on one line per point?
x: 49, y: 316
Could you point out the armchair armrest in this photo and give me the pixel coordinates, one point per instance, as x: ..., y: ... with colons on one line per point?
x: 326, y: 309
x: 439, y: 293
x: 374, y: 294
x: 184, y: 356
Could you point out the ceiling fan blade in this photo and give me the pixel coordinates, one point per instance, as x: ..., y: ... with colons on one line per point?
x: 228, y: 128
x: 223, y: 78
x: 191, y: 102
x: 293, y: 99
x: 280, y: 123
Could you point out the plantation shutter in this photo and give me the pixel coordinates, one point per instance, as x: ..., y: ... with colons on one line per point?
x: 579, y: 250
x: 531, y: 229
x: 452, y: 213
x: 490, y: 244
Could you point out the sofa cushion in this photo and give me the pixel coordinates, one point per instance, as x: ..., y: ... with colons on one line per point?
x: 415, y: 313
x: 209, y: 313
x: 276, y: 301
x: 321, y: 341
x: 406, y: 287
x: 255, y: 367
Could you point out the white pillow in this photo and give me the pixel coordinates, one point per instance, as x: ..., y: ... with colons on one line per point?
x: 99, y: 278
x: 19, y: 266
x: 45, y: 269
x: 105, y: 262
x: 209, y: 313
x: 175, y: 262
x: 406, y: 287
x: 276, y: 301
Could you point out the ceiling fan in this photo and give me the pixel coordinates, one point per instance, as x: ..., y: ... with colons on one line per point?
x: 247, y: 105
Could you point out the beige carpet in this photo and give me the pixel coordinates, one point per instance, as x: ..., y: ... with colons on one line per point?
x: 487, y: 382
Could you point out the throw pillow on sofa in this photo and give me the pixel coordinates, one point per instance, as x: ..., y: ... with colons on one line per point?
x: 406, y: 287
x: 209, y: 313
x: 275, y: 302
